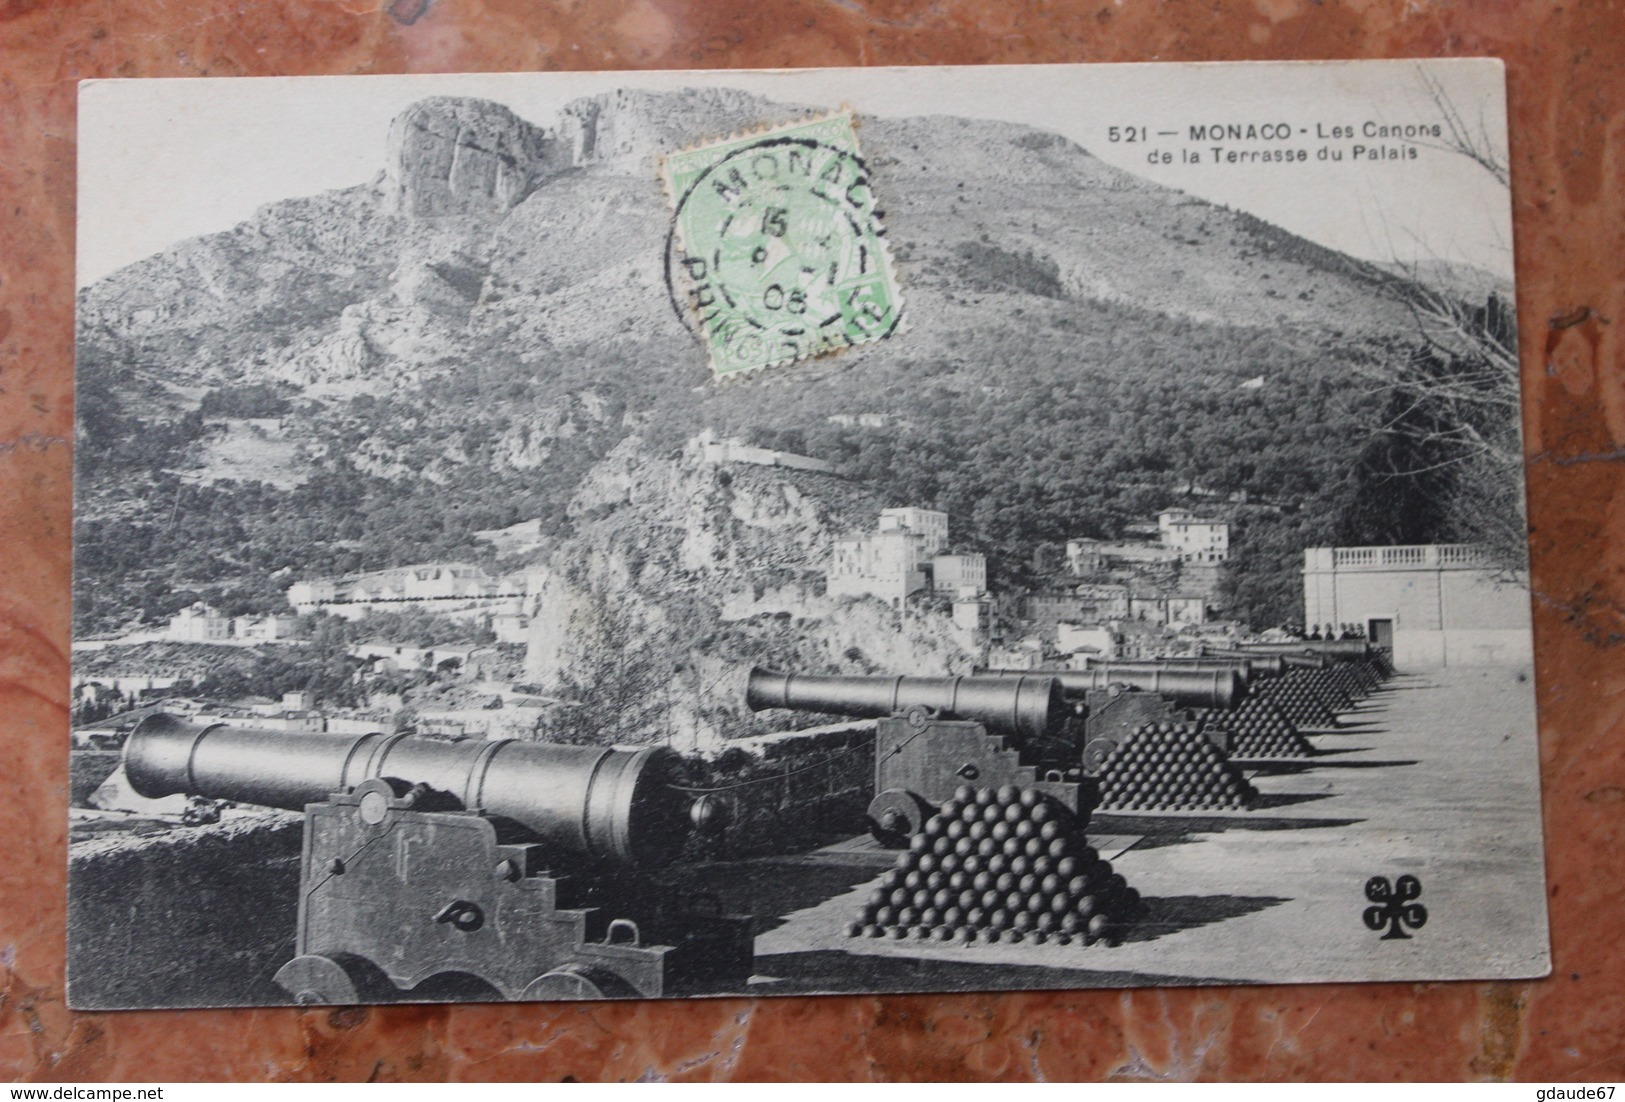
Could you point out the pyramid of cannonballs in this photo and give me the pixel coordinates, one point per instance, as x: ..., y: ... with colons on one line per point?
x: 1000, y: 865
x: 1345, y: 677
x: 1302, y: 705
x: 1323, y: 683
x: 1259, y: 729
x: 1171, y: 767
x: 1366, y: 675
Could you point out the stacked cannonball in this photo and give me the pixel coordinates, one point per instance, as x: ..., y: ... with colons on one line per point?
x: 1259, y: 729
x: 1367, y: 674
x: 1346, y: 679
x: 995, y: 866
x: 1171, y: 767
x: 1298, y: 701
x: 1323, y: 684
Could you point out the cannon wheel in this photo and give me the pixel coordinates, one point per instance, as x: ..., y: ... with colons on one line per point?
x: 340, y: 980
x: 1095, y: 753
x: 895, y: 816
x: 576, y: 982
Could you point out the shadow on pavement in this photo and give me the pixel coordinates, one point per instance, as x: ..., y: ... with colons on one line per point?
x: 1157, y: 831
x: 1268, y: 800
x: 1173, y: 913
x: 773, y: 889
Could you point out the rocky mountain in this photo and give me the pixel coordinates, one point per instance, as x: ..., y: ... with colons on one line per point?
x: 488, y: 232
x: 482, y: 334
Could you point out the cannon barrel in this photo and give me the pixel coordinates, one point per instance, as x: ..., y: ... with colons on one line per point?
x: 1292, y: 660
x: 1028, y: 707
x: 1338, y: 650
x: 1272, y: 665
x: 587, y: 805
x: 1184, y: 688
x: 1241, y: 668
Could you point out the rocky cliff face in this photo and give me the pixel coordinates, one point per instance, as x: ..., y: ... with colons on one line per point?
x: 683, y: 573
x: 451, y: 156
x: 487, y: 232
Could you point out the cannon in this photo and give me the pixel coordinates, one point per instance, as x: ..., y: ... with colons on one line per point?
x: 936, y: 734
x: 1026, y: 708
x: 1266, y: 665
x: 1254, y: 667
x: 1336, y: 650
x: 1183, y: 688
x: 1244, y: 670
x: 1116, y: 700
x: 1286, y: 660
x: 434, y: 869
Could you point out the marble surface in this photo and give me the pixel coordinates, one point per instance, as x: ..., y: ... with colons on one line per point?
x: 1567, y: 87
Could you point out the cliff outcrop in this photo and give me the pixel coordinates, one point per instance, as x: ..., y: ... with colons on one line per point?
x: 451, y: 156
x: 682, y: 574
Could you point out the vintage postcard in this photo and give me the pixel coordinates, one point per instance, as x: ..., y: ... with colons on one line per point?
x: 633, y: 535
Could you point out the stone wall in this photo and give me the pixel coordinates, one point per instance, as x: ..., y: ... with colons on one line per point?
x: 792, y: 790
x: 192, y: 916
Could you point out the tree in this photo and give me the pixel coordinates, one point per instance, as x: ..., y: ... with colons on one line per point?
x: 1456, y: 400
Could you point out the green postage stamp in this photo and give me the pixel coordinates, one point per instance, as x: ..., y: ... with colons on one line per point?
x: 776, y: 252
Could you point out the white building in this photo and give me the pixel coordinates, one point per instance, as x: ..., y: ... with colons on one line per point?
x: 1172, y: 611
x: 1024, y: 654
x: 265, y: 628
x: 510, y: 627
x: 905, y: 554
x: 302, y: 721
x: 359, y: 723
x: 200, y: 623
x: 1102, y: 602
x: 1085, y: 556
x: 1195, y: 538
x: 885, y: 565
x: 952, y: 573
x: 449, y: 587
x: 714, y: 451
x: 930, y: 524
x: 1434, y: 604
x: 1092, y: 640
x: 970, y: 612
x: 402, y: 656
x: 1186, y: 610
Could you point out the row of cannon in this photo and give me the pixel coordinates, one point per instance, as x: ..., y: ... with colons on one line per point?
x: 1054, y: 729
x: 519, y: 870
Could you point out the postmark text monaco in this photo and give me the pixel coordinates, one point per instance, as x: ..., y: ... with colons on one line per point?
x: 776, y: 249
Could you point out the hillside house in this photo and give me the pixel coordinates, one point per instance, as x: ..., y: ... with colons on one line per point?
x: 199, y: 623
x: 930, y: 524
x: 1196, y: 539
x: 905, y: 554
x: 952, y: 573
x: 1085, y: 556
x: 715, y: 452
x: 884, y: 565
x: 1077, y: 641
x: 971, y: 611
x: 264, y: 629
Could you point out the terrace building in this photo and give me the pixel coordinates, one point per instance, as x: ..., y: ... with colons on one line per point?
x: 1434, y: 604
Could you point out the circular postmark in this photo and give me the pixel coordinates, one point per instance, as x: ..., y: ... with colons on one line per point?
x: 776, y: 253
